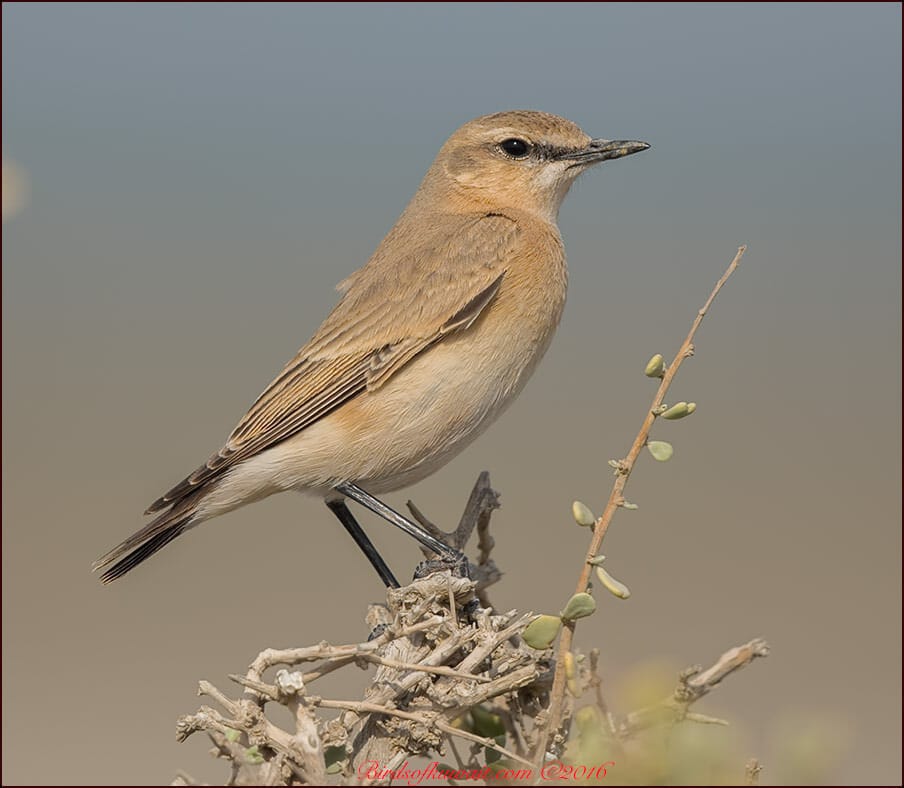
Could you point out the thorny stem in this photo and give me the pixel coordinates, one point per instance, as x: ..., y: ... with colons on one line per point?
x: 616, y: 499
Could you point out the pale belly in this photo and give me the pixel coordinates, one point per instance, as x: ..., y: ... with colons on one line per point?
x: 437, y: 406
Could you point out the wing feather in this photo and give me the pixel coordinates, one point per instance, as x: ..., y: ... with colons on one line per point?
x: 392, y: 309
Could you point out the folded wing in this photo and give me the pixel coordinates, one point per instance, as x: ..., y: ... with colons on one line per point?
x: 394, y: 308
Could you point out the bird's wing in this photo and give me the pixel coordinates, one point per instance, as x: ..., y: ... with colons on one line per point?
x: 392, y: 309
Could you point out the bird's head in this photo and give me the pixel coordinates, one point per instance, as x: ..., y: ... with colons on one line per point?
x: 522, y: 159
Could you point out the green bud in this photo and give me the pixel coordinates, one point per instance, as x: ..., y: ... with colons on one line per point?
x: 678, y: 411
x: 614, y: 586
x: 253, y: 755
x: 659, y: 409
x: 691, y: 407
x: 571, y: 675
x: 464, y: 723
x: 579, y: 606
x: 582, y: 515
x: 588, y: 720
x: 542, y: 631
x: 629, y: 505
x: 655, y: 367
x: 486, y: 723
x: 660, y: 450
x: 232, y: 734
x: 569, y: 665
x: 597, y: 560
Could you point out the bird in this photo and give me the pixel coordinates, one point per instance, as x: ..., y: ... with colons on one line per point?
x: 429, y: 343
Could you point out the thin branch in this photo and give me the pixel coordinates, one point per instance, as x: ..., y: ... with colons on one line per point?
x: 435, y: 531
x: 327, y: 667
x: 616, y: 499
x: 596, y: 683
x: 491, y: 743
x: 730, y: 661
x: 693, y: 685
x: 360, y: 707
x: 481, y: 503
x: 500, y: 686
x: 439, y: 670
x: 343, y: 654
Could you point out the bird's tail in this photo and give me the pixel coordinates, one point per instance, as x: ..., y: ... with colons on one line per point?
x: 144, y: 543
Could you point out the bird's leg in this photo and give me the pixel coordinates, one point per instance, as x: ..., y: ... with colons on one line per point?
x: 347, y: 519
x: 449, y: 554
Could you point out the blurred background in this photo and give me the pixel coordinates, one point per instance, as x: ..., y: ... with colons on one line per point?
x: 183, y: 185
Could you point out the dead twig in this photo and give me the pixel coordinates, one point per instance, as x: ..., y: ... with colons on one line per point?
x: 693, y: 684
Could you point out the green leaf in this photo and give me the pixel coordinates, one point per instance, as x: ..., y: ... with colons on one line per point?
x: 542, y: 631
x: 579, y: 606
x: 253, y: 755
x: 661, y: 450
x: 486, y: 723
x: 655, y: 367
x: 678, y: 411
x: 612, y: 585
x: 582, y: 514
x: 334, y: 758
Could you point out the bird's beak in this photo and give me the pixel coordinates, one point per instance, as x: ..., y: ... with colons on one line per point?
x: 603, y: 150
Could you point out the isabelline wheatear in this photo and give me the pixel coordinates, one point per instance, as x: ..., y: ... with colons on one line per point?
x: 430, y: 342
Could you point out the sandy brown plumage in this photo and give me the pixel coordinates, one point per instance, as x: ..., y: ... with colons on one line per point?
x: 428, y: 344
x: 363, y: 341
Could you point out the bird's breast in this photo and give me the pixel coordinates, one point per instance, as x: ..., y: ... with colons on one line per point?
x: 450, y: 393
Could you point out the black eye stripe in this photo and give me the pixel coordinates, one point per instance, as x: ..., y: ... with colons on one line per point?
x: 515, y: 147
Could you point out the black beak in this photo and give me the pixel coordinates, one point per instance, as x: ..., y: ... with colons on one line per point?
x: 603, y: 150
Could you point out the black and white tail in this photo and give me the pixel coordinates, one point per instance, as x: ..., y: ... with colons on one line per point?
x: 144, y: 543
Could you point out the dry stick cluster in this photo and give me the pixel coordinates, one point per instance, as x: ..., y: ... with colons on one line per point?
x: 438, y: 653
x: 448, y: 669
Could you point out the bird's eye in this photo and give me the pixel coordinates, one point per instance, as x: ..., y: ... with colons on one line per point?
x: 514, y: 147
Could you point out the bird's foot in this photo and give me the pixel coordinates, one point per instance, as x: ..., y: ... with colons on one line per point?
x: 456, y: 564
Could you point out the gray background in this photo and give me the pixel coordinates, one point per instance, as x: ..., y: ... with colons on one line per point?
x: 201, y: 176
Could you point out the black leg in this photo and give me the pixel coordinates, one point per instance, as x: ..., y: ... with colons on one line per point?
x: 347, y: 519
x: 354, y: 492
